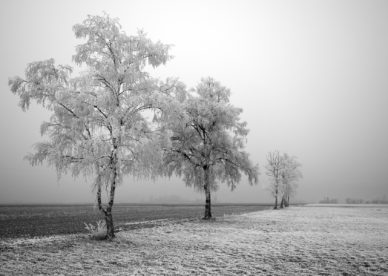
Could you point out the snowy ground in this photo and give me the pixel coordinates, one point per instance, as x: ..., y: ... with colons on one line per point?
x: 308, y: 240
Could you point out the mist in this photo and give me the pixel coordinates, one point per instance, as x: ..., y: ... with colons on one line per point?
x: 310, y: 76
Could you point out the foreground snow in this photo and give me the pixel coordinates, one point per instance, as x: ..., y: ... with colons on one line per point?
x: 298, y: 241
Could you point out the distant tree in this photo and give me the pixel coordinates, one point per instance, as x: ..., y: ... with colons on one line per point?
x: 328, y: 200
x: 273, y: 170
x: 290, y: 174
x: 283, y: 172
x: 99, y: 124
x: 207, y: 142
x: 381, y: 200
x: 354, y: 201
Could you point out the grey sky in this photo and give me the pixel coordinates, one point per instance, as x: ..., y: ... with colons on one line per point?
x: 311, y: 76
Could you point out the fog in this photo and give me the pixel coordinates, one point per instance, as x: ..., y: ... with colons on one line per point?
x: 311, y: 77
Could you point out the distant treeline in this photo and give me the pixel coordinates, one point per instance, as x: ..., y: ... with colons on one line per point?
x: 328, y: 200
x: 382, y: 200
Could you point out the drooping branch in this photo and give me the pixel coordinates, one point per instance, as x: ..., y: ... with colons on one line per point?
x: 100, y: 111
x: 106, y: 83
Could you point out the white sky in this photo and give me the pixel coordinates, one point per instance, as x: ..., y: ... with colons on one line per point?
x: 311, y: 76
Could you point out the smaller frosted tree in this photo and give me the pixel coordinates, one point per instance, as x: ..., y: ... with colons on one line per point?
x: 273, y: 170
x: 283, y: 172
x: 290, y: 174
x: 207, y: 141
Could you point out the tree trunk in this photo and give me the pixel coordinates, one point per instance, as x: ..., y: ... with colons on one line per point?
x: 107, y: 211
x: 208, y: 212
x: 276, y: 199
x: 287, y: 201
x: 110, y: 234
x: 282, y: 203
x: 99, y: 197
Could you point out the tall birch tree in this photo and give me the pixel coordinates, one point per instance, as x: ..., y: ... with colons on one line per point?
x: 99, y: 124
x: 207, y: 142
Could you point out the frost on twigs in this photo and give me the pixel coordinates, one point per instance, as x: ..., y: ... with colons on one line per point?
x: 98, y: 231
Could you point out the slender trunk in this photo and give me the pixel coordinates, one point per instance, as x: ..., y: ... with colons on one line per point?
x: 282, y: 203
x: 110, y: 234
x: 101, y: 208
x: 108, y: 210
x: 208, y: 212
x: 108, y: 215
x: 276, y: 199
x: 288, y: 200
x: 99, y: 198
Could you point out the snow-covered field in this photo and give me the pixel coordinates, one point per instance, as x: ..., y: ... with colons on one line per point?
x: 309, y: 240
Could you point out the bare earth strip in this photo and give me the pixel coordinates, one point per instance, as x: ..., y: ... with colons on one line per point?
x: 298, y: 241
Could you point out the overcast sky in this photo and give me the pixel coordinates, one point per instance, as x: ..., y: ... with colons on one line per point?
x: 311, y: 77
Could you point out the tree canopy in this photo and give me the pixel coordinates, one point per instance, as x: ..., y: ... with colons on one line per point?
x: 208, y: 141
x: 99, y: 125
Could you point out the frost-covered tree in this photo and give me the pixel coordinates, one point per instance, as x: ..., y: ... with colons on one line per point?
x: 290, y: 174
x: 100, y: 124
x: 207, y: 142
x: 273, y: 171
x: 283, y: 172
